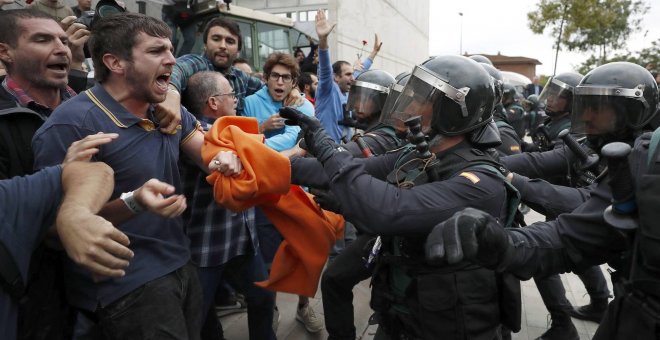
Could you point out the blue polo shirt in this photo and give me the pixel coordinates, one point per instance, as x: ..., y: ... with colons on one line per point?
x: 140, y: 153
x: 27, y: 209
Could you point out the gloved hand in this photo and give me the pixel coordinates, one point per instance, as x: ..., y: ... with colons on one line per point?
x: 471, y: 235
x: 317, y: 141
x: 326, y: 199
x: 294, y: 117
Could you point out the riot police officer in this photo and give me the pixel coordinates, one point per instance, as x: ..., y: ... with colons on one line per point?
x: 558, y: 98
x: 514, y: 113
x: 367, y: 99
x: 615, y: 102
x: 535, y: 112
x: 511, y: 143
x: 399, y: 195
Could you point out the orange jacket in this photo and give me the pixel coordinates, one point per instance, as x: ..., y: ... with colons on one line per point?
x: 308, y: 231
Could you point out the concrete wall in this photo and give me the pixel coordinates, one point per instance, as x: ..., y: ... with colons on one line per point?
x: 403, y: 27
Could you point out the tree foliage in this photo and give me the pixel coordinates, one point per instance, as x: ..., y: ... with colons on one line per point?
x: 648, y: 57
x: 589, y: 25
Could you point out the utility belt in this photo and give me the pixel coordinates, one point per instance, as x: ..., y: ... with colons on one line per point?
x: 10, y: 278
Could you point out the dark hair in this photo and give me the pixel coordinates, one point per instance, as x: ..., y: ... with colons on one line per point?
x: 9, y: 26
x: 227, y: 24
x: 284, y: 59
x: 304, y: 79
x: 298, y: 50
x: 336, y: 67
x: 116, y: 35
x: 240, y: 60
x: 201, y: 86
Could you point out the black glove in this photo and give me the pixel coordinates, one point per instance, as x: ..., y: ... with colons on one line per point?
x: 471, y: 235
x: 326, y: 199
x: 294, y: 117
x: 317, y: 141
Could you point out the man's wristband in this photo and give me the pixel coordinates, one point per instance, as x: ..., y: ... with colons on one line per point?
x: 131, y: 203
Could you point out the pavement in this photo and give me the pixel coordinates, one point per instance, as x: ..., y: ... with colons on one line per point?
x: 535, y: 318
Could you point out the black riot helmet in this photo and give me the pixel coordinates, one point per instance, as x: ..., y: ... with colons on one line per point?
x: 368, y: 94
x: 388, y: 116
x: 532, y: 103
x: 481, y: 59
x: 498, y: 80
x: 509, y: 94
x: 613, y: 102
x: 558, y: 93
x: 452, y: 94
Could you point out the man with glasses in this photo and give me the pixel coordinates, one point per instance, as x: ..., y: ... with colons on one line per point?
x: 281, y: 71
x: 221, y: 241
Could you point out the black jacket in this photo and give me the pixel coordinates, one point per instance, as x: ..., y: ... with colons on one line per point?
x: 17, y: 126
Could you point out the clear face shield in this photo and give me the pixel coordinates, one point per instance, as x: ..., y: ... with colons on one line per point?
x: 556, y: 95
x: 395, y: 92
x: 599, y: 111
x: 424, y: 95
x: 366, y: 99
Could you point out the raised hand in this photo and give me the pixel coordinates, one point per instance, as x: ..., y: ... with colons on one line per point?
x: 323, y: 26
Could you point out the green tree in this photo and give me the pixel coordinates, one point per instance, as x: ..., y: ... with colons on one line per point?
x: 588, y: 25
x: 648, y: 57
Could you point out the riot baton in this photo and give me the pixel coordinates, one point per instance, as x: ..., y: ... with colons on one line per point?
x: 586, y: 160
x: 620, y: 213
x: 364, y: 147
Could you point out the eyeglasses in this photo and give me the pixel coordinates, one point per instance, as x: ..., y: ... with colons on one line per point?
x: 232, y: 95
x: 274, y: 76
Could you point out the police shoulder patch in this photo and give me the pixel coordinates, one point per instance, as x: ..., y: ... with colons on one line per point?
x: 470, y: 176
x: 515, y: 148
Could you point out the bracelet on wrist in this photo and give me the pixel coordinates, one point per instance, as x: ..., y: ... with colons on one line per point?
x: 129, y: 199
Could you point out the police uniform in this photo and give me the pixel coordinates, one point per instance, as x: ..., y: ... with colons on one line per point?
x: 608, y: 108
x: 510, y: 140
x: 349, y: 267
x: 515, y: 114
x: 546, y: 136
x: 581, y: 239
x: 402, y: 195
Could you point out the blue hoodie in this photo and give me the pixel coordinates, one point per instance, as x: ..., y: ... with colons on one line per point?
x: 261, y: 106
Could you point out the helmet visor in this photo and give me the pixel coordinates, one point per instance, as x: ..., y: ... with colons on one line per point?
x: 366, y: 98
x: 557, y: 96
x: 602, y: 110
x: 426, y: 94
x: 385, y: 113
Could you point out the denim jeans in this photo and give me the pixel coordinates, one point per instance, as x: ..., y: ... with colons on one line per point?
x: 260, y: 302
x: 169, y: 307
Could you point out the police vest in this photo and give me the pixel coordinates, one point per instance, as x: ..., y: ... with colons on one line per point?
x: 402, y: 260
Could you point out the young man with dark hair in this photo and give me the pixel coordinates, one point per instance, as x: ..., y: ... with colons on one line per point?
x: 222, y: 44
x: 307, y: 83
x: 159, y: 296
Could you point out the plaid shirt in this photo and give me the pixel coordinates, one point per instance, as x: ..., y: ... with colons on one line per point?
x: 25, y: 100
x: 216, y: 234
x: 242, y: 84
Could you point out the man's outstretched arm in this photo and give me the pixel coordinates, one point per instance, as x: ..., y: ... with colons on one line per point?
x: 90, y: 240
